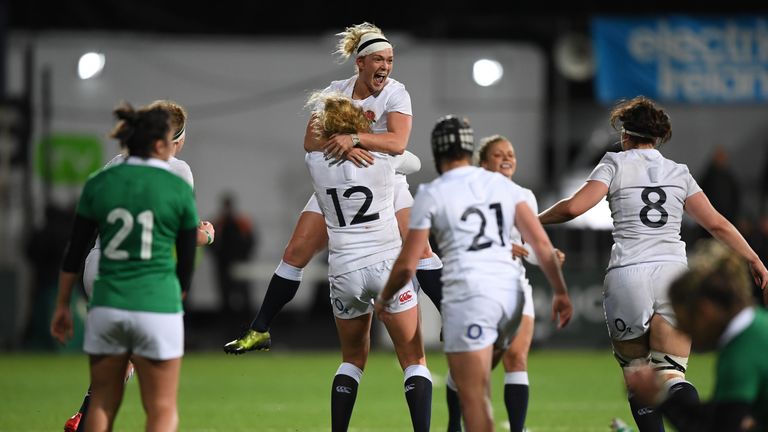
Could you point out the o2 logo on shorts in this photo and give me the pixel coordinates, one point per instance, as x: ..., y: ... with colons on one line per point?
x: 340, y: 306
x: 474, y: 331
x: 405, y: 297
x: 621, y: 326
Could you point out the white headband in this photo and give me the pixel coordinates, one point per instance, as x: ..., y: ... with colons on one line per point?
x: 180, y: 135
x: 638, y: 134
x: 372, y: 42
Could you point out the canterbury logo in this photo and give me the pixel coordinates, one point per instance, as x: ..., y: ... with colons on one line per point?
x: 404, y: 297
x: 343, y: 389
x: 409, y: 387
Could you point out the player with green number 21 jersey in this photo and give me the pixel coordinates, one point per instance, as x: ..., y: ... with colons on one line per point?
x: 139, y: 206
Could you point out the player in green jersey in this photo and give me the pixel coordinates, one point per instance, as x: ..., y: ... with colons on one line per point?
x: 713, y: 303
x: 141, y: 210
x: 205, y: 232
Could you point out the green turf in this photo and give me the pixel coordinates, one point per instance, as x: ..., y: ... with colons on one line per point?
x: 290, y: 391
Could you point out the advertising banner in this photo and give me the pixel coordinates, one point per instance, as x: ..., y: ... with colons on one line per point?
x: 682, y: 58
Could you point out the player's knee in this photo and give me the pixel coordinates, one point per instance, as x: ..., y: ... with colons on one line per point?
x: 161, y: 407
x: 296, y: 255
x: 668, y: 366
x: 626, y: 361
x: 515, y: 361
x: 357, y: 356
x: 412, y: 356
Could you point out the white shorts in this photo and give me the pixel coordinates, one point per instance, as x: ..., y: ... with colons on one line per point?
x: 156, y: 336
x: 403, y: 198
x: 477, y: 322
x: 633, y: 294
x: 528, y: 308
x: 91, y: 270
x: 353, y: 293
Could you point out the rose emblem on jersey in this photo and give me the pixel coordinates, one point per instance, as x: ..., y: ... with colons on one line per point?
x: 371, y: 116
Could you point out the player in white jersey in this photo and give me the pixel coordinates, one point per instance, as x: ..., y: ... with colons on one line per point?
x: 496, y: 154
x: 358, y: 207
x: 387, y: 105
x: 648, y: 195
x: 471, y: 211
x: 205, y: 234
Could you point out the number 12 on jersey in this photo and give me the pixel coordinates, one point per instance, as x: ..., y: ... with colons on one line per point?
x: 360, y: 216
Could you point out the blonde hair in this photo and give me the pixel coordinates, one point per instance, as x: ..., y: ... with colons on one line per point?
x: 177, y: 114
x: 337, y: 113
x: 481, y: 152
x: 715, y: 273
x: 350, y: 37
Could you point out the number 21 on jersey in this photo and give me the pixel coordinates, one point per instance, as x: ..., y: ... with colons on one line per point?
x: 477, y: 243
x: 146, y: 220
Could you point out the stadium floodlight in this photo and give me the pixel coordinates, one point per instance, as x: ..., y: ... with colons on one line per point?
x: 487, y: 72
x: 90, y: 65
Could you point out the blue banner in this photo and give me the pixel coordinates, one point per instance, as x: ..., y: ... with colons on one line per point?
x: 682, y: 58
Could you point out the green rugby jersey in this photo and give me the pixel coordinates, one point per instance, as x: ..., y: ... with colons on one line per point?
x: 742, y: 368
x: 140, y: 206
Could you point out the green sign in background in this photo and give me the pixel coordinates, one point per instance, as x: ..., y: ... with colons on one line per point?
x: 73, y: 157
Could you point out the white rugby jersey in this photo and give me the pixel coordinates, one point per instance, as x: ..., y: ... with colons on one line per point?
x: 517, y: 238
x: 470, y: 211
x: 358, y: 206
x: 646, y: 194
x: 178, y: 167
x: 392, y: 98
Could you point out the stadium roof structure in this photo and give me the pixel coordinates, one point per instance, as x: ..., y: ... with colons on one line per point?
x: 446, y: 19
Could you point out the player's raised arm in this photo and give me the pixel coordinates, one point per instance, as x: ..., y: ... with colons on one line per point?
x: 701, y: 210
x: 590, y: 193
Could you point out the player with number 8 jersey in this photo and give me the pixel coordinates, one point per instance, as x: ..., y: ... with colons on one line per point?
x: 648, y: 195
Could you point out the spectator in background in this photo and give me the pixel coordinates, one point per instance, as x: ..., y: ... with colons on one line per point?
x: 235, y: 243
x: 722, y: 188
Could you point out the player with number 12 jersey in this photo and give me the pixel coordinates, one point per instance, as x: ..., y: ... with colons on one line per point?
x: 363, y: 242
x: 358, y: 207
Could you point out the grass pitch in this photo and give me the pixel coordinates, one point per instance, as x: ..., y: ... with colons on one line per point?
x: 576, y: 391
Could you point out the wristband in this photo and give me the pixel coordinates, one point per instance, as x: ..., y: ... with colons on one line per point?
x: 210, y: 239
x: 355, y: 140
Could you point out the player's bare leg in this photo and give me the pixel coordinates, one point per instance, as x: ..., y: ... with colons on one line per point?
x: 471, y: 371
x: 354, y: 337
x: 159, y: 384
x: 634, y: 351
x: 107, y: 385
x: 405, y: 331
x: 309, y: 237
x: 670, y: 349
x: 515, y: 360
